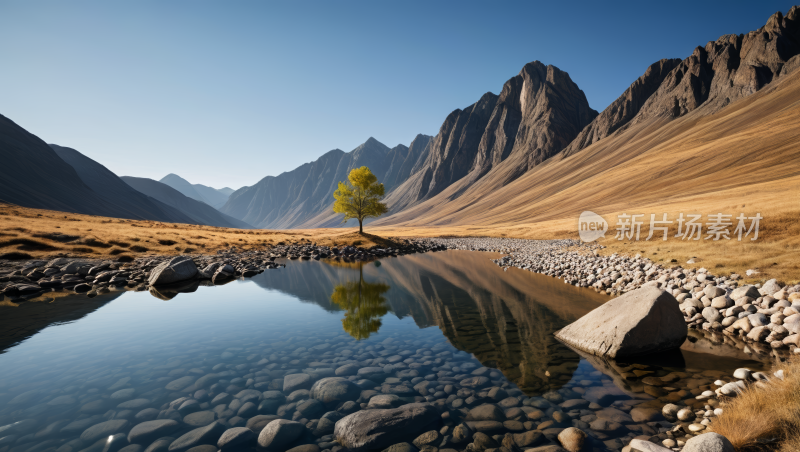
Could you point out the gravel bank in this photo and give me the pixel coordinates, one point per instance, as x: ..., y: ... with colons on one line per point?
x: 21, y: 280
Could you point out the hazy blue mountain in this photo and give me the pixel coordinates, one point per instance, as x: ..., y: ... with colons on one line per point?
x: 183, y: 186
x: 33, y: 174
x: 209, y: 195
x: 199, y: 211
x: 111, y: 188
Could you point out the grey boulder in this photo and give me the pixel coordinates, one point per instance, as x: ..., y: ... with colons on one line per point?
x: 333, y: 390
x: 401, y: 447
x: 280, y: 433
x: 236, y: 437
x: 209, y: 434
x: 149, y: 431
x: 745, y: 291
x: 378, y: 429
x: 712, y: 314
x: 643, y: 321
x: 179, y: 268
x: 209, y: 270
x: 638, y: 445
x: 708, y: 442
x: 160, y: 445
x: 770, y: 287
x: 293, y: 382
x: 104, y: 429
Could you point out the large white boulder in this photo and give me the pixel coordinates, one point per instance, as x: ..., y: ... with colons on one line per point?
x: 643, y: 321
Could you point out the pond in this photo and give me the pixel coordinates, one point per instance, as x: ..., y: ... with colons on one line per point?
x: 449, y: 328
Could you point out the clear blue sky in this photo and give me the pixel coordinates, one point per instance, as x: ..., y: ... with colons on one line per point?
x: 225, y: 93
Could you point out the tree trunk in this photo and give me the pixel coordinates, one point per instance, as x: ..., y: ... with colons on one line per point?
x: 360, y: 227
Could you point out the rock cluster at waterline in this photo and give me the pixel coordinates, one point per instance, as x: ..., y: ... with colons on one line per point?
x: 766, y: 316
x: 21, y: 280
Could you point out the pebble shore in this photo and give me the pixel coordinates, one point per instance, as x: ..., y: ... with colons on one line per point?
x: 20, y: 280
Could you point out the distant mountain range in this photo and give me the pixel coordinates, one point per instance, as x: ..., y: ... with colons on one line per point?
x: 199, y: 212
x: 211, y: 196
x: 534, y: 152
x: 35, y: 174
x: 302, y: 197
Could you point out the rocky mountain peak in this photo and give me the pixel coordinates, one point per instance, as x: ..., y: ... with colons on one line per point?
x: 538, y: 112
x: 727, y: 69
x: 617, y: 115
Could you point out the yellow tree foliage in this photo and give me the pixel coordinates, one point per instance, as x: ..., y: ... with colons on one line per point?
x: 360, y: 198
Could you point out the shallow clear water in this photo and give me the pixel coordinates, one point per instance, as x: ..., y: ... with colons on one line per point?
x: 76, y: 362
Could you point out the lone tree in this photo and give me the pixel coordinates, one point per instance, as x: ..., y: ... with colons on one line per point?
x: 360, y: 198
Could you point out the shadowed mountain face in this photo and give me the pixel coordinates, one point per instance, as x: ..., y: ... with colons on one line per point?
x: 211, y: 196
x: 303, y: 197
x: 199, y: 212
x: 732, y: 67
x: 617, y: 115
x: 111, y: 188
x: 506, y: 319
x: 32, y: 174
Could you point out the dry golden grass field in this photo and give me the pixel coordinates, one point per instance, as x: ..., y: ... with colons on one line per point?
x: 45, y: 233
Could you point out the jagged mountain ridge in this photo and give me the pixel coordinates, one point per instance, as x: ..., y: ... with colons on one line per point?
x: 303, y: 196
x: 747, y: 153
x: 619, y: 114
x: 537, y: 113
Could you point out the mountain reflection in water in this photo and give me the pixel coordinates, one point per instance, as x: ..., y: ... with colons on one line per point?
x: 505, y: 319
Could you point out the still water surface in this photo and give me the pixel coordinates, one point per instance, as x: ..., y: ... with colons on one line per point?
x: 75, y: 363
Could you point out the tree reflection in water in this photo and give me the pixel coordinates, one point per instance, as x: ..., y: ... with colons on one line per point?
x: 364, y: 305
